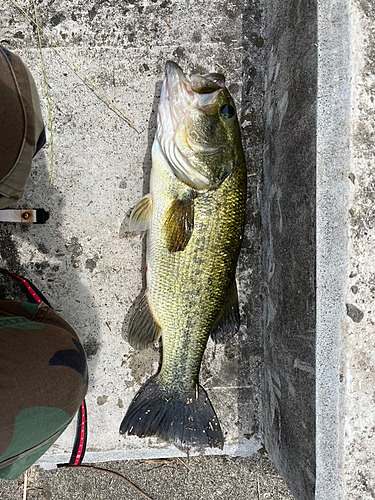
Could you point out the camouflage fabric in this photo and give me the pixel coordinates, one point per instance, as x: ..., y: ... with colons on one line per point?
x: 43, y: 380
x: 21, y: 126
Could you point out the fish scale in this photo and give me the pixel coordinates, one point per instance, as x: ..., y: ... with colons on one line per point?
x: 176, y: 303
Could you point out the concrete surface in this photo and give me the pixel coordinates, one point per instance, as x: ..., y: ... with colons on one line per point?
x: 332, y: 170
x: 357, y: 357
x: 221, y: 478
x: 83, y: 259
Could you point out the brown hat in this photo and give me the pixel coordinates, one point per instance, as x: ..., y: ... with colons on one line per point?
x: 21, y: 126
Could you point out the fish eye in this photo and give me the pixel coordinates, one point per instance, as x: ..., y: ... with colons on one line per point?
x: 227, y: 111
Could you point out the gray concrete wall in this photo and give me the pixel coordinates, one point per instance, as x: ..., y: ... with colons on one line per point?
x: 318, y: 248
x: 289, y: 242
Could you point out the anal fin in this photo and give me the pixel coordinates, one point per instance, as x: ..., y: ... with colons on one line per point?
x: 141, y: 215
x: 228, y: 322
x: 143, y: 329
x: 179, y: 224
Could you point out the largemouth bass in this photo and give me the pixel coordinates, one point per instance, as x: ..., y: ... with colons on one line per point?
x: 194, y: 215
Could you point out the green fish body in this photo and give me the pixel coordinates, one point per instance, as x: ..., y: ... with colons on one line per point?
x: 194, y: 215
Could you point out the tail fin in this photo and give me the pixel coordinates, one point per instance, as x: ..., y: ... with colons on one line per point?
x: 188, y: 421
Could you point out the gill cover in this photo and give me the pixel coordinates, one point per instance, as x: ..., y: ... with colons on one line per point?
x: 190, y: 132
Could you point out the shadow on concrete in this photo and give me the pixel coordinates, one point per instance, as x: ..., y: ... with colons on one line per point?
x: 249, y: 351
x: 49, y: 273
x: 147, y: 164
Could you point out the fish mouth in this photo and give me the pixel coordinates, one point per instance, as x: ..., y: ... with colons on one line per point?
x: 178, y: 95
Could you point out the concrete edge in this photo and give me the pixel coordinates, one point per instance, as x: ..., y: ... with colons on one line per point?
x: 243, y: 450
x: 333, y: 163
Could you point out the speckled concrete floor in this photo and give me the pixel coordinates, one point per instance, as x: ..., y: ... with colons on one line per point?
x: 83, y: 259
x: 221, y: 478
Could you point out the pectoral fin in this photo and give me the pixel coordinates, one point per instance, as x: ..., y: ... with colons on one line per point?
x: 179, y: 224
x: 143, y: 329
x: 228, y: 322
x: 141, y: 215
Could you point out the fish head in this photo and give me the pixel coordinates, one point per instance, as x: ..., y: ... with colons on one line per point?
x: 198, y: 130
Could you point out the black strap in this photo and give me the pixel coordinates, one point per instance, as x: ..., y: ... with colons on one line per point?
x: 31, y: 290
x: 79, y: 446
x: 80, y: 441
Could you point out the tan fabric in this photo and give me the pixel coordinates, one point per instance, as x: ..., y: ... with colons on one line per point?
x: 21, y: 124
x: 11, y: 112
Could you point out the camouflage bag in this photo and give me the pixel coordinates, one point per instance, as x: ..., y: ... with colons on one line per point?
x: 43, y: 381
x: 21, y: 126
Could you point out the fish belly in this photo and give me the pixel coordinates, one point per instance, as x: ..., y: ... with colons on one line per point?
x: 188, y: 289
